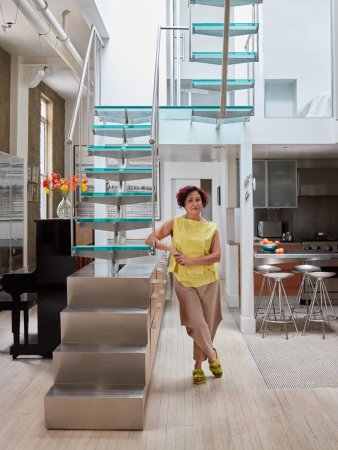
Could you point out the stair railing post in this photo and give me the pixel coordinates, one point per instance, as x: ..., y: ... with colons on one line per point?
x: 224, y: 81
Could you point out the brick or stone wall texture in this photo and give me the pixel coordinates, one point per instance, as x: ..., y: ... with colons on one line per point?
x: 58, y: 138
x: 5, y: 84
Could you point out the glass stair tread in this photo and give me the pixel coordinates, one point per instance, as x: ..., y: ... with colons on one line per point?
x: 216, y: 29
x: 102, y: 248
x: 112, y: 219
x: 117, y: 198
x: 213, y: 120
x: 122, y: 131
x: 220, y: 3
x: 123, y: 114
x: 120, y: 151
x: 119, y: 170
x: 217, y: 57
x: 216, y: 84
x: 231, y: 111
x: 115, y: 224
x: 119, y: 174
x: 115, y: 194
x: 112, y: 252
x: 188, y: 112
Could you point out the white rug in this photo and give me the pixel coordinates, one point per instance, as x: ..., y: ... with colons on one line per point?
x: 301, y: 362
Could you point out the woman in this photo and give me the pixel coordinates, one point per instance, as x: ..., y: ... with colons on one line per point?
x: 194, y: 252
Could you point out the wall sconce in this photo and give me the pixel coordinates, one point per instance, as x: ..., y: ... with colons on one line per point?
x: 249, y: 178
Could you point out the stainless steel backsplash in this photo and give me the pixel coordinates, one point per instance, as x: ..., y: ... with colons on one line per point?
x: 313, y: 214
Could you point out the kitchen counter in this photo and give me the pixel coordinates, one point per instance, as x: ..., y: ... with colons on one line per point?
x: 293, y: 255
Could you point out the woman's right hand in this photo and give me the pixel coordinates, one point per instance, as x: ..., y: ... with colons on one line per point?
x: 173, y: 251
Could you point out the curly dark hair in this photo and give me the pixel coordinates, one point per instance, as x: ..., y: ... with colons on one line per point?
x: 183, y: 193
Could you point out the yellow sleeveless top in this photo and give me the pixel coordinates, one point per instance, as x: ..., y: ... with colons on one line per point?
x: 193, y: 239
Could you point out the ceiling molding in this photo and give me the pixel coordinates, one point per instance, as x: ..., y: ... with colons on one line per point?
x: 32, y: 74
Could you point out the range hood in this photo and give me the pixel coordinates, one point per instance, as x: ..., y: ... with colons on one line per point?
x: 320, y: 181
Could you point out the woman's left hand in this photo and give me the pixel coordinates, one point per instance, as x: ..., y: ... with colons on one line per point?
x: 181, y: 259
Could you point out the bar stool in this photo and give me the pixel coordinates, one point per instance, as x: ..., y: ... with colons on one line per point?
x: 320, y: 302
x: 264, y: 269
x: 306, y: 286
x: 278, y: 296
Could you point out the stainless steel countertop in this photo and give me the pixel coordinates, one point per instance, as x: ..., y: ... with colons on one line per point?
x: 137, y: 268
x: 295, y: 255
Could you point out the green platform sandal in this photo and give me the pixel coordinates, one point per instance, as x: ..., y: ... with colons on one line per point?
x: 198, y: 376
x: 216, y: 367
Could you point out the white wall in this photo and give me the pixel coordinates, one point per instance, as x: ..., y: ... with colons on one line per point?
x: 129, y: 57
x: 297, y: 44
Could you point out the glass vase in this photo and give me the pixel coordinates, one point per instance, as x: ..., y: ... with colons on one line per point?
x: 64, y: 209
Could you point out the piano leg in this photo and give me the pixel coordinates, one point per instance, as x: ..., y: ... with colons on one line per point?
x: 26, y: 322
x: 16, y: 323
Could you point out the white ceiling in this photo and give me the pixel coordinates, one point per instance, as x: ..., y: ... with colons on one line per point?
x: 23, y: 40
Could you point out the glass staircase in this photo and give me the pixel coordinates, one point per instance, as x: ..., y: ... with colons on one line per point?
x: 224, y: 85
x: 118, y: 123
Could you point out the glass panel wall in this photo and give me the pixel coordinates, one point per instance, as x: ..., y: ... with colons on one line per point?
x: 11, y: 212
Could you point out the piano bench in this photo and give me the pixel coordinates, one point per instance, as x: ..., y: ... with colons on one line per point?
x: 27, y: 301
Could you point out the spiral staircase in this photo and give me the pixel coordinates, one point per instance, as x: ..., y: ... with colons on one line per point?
x: 101, y: 368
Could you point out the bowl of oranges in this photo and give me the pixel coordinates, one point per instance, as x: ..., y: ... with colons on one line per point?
x: 269, y: 246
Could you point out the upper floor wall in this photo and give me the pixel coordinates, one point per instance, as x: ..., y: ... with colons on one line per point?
x: 295, y: 78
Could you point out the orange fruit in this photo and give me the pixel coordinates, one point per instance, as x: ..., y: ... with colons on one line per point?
x: 277, y: 242
x: 265, y: 241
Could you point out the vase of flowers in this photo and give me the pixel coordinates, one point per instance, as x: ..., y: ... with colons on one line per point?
x: 63, y: 186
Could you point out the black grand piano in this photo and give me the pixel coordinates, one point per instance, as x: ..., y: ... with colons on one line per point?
x: 48, y: 279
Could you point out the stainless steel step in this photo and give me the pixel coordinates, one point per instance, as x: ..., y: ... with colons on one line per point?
x: 100, y: 365
x: 95, y: 407
x: 123, y: 327
x: 96, y: 286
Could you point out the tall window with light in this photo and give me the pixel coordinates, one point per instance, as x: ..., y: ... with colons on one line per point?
x: 43, y: 155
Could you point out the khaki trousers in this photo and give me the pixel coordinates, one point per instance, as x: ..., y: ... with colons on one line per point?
x: 200, y: 311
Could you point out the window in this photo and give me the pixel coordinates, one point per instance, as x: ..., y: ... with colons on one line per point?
x: 44, y: 125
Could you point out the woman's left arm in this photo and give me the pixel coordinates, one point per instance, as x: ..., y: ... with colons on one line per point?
x: 213, y: 257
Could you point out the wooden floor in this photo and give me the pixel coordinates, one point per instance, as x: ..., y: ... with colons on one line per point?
x: 235, y: 412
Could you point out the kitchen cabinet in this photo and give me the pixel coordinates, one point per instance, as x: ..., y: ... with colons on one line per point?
x: 282, y: 184
x: 276, y: 183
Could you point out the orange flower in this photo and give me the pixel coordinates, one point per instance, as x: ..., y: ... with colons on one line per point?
x: 63, y: 185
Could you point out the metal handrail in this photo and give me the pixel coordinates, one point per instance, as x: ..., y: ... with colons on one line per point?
x: 224, y: 81
x: 153, y: 140
x: 78, y: 108
x: 81, y: 85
